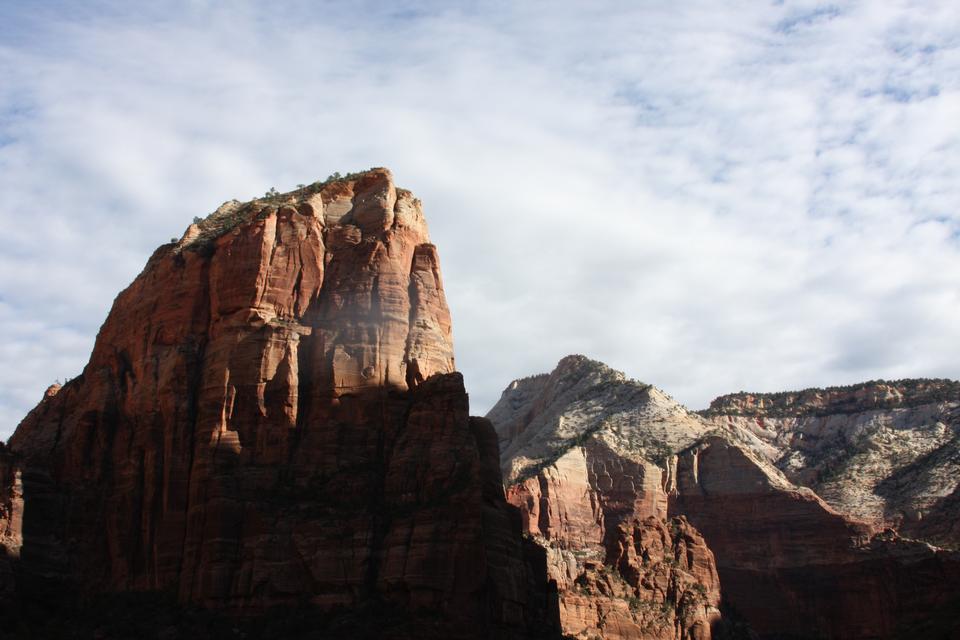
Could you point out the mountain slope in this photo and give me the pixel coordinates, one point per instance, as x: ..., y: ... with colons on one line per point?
x: 587, y: 449
x: 539, y: 418
x: 579, y: 451
x: 885, y: 452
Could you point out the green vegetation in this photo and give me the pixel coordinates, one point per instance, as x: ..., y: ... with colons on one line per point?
x: 576, y: 441
x: 227, y: 217
x: 230, y: 215
x: 834, y: 462
x: 657, y: 452
x: 690, y: 602
x: 655, y: 615
x: 336, y: 177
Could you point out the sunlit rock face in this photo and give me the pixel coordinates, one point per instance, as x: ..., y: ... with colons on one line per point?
x: 270, y: 417
x: 580, y: 452
x: 589, y: 455
x: 884, y: 452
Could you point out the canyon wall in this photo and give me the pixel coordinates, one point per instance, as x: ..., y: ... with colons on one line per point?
x: 11, y: 522
x: 884, y: 452
x: 578, y: 445
x: 270, y: 418
x: 271, y: 428
x: 584, y: 448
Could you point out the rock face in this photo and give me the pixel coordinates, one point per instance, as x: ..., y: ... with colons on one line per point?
x: 270, y: 418
x: 858, y: 398
x: 884, y: 452
x: 577, y: 447
x: 789, y: 563
x: 585, y: 450
x: 11, y: 521
x: 538, y: 417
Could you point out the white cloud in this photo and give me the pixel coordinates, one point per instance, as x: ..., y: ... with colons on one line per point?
x: 710, y: 196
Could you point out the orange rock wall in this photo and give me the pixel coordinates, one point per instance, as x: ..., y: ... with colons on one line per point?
x: 794, y: 567
x: 622, y: 569
x: 258, y: 426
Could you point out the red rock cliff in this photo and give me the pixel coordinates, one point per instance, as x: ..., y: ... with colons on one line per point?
x: 649, y: 512
x: 579, y: 471
x: 622, y: 568
x: 11, y: 521
x: 270, y: 417
x: 793, y: 566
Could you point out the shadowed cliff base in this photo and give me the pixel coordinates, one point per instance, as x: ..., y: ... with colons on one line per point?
x: 151, y: 615
x: 408, y: 548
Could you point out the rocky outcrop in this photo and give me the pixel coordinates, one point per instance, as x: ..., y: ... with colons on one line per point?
x: 11, y: 521
x: 577, y: 448
x: 539, y: 418
x: 270, y: 418
x: 886, y: 453
x: 941, y: 524
x: 857, y: 398
x: 587, y: 451
x: 623, y: 570
x: 790, y: 564
x: 658, y: 580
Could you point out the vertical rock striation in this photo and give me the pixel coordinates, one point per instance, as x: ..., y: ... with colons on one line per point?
x: 270, y: 417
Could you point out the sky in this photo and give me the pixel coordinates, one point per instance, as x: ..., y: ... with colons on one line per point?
x: 709, y: 196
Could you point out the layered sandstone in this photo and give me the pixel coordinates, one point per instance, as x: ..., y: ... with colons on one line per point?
x: 540, y: 417
x: 11, y: 521
x: 789, y: 563
x: 884, y: 452
x: 578, y: 445
x: 857, y: 398
x: 270, y: 418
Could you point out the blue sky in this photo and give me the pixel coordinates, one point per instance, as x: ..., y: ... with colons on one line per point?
x: 709, y: 196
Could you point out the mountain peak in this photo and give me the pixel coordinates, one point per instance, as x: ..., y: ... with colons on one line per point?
x: 270, y: 417
x: 367, y: 200
x: 539, y: 417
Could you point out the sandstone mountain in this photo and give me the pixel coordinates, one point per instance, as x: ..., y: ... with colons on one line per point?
x: 884, y: 452
x: 270, y: 419
x: 589, y: 455
x: 270, y: 440
x: 584, y: 457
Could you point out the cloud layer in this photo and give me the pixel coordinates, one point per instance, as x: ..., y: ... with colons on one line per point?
x: 711, y: 197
